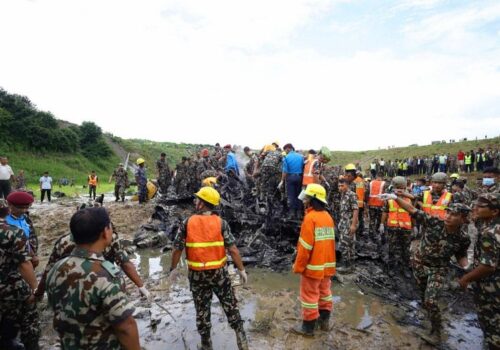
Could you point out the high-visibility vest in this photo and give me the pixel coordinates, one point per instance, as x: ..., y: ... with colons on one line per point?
x: 308, y: 177
x: 439, y: 208
x: 92, y: 180
x: 360, y: 191
x: 468, y: 160
x: 376, y: 188
x: 398, y: 217
x: 204, y: 243
x: 316, y: 245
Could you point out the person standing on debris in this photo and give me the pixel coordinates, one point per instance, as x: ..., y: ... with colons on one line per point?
x: 250, y: 167
x: 311, y: 169
x: 87, y: 293
x: 269, y: 177
x: 348, y: 213
x: 399, y: 230
x: 375, y: 205
x: 6, y: 177
x: 486, y: 273
x: 142, y: 180
x: 315, y: 261
x: 441, y: 240
x: 93, y: 182
x: 45, y: 186
x: 163, y: 174
x: 293, y: 165
x: 231, y: 167
x: 17, y: 284
x: 206, y: 236
x: 357, y: 185
x: 121, y: 182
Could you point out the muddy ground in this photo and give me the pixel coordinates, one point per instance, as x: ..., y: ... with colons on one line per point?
x: 369, y: 312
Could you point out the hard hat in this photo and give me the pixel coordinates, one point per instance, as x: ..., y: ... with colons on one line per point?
x: 209, y: 181
x: 399, y: 181
x: 268, y: 148
x: 314, y: 191
x: 140, y: 161
x: 454, y: 176
x: 439, y: 177
x: 350, y: 166
x: 209, y: 195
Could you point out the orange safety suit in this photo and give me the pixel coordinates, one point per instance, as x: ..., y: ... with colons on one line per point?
x: 316, y: 262
x: 360, y: 191
x: 92, y: 180
x: 308, y: 177
x: 398, y: 217
x: 439, y: 208
x: 204, y: 243
x: 376, y: 188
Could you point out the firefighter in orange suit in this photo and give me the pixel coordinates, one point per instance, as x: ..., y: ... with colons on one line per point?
x: 206, y: 236
x: 315, y: 261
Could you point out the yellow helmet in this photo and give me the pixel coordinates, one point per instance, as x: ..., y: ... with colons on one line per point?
x: 209, y: 195
x: 268, y: 148
x: 350, y: 166
x: 454, y: 176
x: 139, y: 161
x: 209, y: 181
x: 314, y: 191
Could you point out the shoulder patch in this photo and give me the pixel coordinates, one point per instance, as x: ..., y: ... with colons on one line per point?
x: 111, y: 268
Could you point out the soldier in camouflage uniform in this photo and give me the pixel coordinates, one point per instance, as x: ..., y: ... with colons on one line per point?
x: 459, y: 194
x: 441, y: 240
x: 163, y: 173
x: 205, y: 166
x: 206, y: 237
x: 181, y: 178
x: 491, y: 176
x: 331, y: 184
x: 121, y: 182
x: 269, y: 178
x: 347, y: 225
x: 250, y: 167
x: 87, y: 292
x: 486, y: 273
x: 17, y: 283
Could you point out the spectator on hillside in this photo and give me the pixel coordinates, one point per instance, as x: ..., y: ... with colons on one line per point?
x: 461, y: 161
x: 480, y: 160
x: 45, y: 186
x: 442, y: 163
x: 6, y: 176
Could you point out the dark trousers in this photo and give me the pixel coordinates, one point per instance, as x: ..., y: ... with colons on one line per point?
x: 43, y: 195
x: 293, y: 189
x: 4, y: 188
x: 92, y: 191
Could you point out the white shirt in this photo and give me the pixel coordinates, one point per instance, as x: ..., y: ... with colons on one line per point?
x: 5, y: 172
x: 46, y: 182
x: 382, y: 163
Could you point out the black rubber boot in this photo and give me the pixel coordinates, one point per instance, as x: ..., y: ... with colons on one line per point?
x: 206, y: 342
x: 324, y: 320
x: 241, y: 339
x: 305, y: 329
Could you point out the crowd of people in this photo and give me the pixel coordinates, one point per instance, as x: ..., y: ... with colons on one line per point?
x: 426, y: 224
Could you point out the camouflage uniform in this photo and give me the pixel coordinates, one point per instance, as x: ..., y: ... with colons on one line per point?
x: 270, y: 176
x: 463, y: 197
x: 142, y: 189
x: 65, y: 245
x: 333, y: 195
x: 15, y: 313
x: 204, y: 169
x: 430, y: 261
x: 121, y: 183
x: 348, y: 203
x: 206, y: 282
x: 399, y: 245
x: 487, y: 290
x: 87, y: 294
x: 164, y: 175
x: 181, y: 180
x: 249, y: 170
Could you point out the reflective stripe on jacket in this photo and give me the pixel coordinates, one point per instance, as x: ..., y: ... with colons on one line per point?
x: 398, y: 217
x: 316, y: 246
x: 204, y: 243
x: 439, y: 208
x: 360, y: 191
x: 92, y: 180
x: 376, y: 188
x: 308, y: 177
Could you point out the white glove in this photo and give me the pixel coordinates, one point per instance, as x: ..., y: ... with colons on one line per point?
x: 381, y: 229
x: 144, y: 292
x: 243, y: 276
x: 327, y: 185
x: 173, y: 275
x: 386, y: 196
x: 280, y: 185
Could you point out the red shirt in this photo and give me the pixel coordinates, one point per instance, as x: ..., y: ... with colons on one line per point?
x: 461, y: 155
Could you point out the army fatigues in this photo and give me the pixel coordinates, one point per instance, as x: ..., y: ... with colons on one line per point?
x: 399, y: 241
x: 249, y: 169
x: 332, y: 194
x: 206, y: 282
x: 121, y: 183
x: 87, y: 294
x: 142, y: 180
x: 15, y: 313
x: 270, y: 176
x: 487, y: 290
x: 181, y: 180
x: 164, y: 175
x: 348, y: 203
x: 430, y: 261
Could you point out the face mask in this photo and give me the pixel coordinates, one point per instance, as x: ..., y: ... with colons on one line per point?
x: 488, y: 181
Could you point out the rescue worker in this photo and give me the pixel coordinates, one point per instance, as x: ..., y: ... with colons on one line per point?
x: 163, y: 173
x: 315, y: 261
x: 347, y: 225
x: 375, y: 205
x: 311, y: 169
x: 206, y: 166
x: 141, y: 180
x: 87, y: 292
x: 399, y: 230
x: 491, y: 176
x: 434, y: 202
x: 206, y: 236
x: 93, y: 182
x: 250, y: 167
x: 269, y: 174
x: 121, y: 182
x: 357, y: 185
x: 17, y: 284
x: 485, y: 277
x: 181, y: 178
x: 292, y: 177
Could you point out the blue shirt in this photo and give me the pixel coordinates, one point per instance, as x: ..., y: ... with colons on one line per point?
x: 19, y: 223
x: 231, y: 163
x: 293, y: 163
x: 140, y: 173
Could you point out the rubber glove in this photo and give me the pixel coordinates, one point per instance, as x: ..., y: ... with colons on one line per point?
x: 387, y: 196
x: 280, y: 185
x: 243, y: 276
x: 144, y: 292
x: 381, y: 229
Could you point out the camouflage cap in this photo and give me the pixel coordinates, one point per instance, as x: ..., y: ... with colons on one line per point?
x: 492, y: 199
x: 458, y: 208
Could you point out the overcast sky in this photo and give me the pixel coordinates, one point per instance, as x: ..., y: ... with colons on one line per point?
x: 349, y: 75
